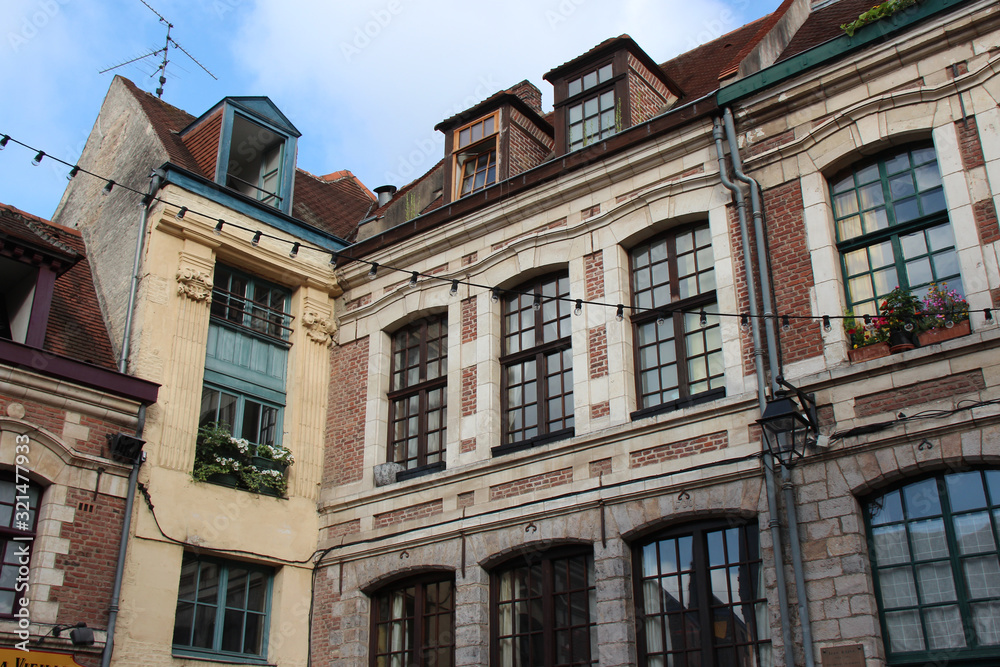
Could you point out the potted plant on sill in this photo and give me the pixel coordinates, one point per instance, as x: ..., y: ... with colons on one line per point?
x: 946, y: 315
x: 266, y: 470
x: 218, y: 457
x: 902, y: 314
x: 866, y: 340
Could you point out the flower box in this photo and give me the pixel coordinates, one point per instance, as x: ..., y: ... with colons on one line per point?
x: 939, y: 335
x: 867, y: 352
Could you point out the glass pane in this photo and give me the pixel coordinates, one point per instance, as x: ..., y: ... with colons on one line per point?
x: 857, y: 261
x: 868, y: 174
x: 906, y: 210
x: 875, y: 220
x: 891, y: 546
x: 940, y: 237
x: 887, y: 509
x: 974, y: 533
x: 898, y: 589
x: 913, y: 245
x: 965, y: 491
x: 898, y: 163
x: 927, y: 176
x: 986, y: 622
x: 922, y: 499
x: 918, y: 272
x: 944, y: 627
x: 982, y: 576
x: 905, y: 631
x: 936, y: 583
x: 928, y: 539
x: 871, y: 195
x: 901, y: 186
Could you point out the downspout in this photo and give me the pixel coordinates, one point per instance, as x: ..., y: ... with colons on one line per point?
x: 772, y: 499
x: 136, y: 260
x: 133, y: 478
x: 772, y: 354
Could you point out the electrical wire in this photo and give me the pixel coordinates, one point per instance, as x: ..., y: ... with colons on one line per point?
x: 221, y: 224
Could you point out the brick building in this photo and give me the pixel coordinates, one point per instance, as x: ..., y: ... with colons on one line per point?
x: 63, y: 489
x: 553, y: 350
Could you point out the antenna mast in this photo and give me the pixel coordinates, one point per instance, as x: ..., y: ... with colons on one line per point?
x: 162, y: 69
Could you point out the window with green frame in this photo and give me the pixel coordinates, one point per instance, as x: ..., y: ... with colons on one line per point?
x: 222, y: 609
x: 935, y: 552
x: 246, y: 356
x: 892, y: 227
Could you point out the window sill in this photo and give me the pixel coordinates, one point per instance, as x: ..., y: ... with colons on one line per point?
x: 413, y: 473
x: 532, y: 442
x: 209, y: 656
x: 679, y: 404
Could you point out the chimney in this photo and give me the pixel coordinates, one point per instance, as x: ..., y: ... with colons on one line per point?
x: 528, y: 93
x: 385, y: 193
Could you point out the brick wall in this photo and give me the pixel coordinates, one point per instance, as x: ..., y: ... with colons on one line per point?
x: 742, y: 293
x: 528, y: 144
x: 470, y: 381
x: 89, y: 567
x: 968, y: 143
x: 82, y: 433
x: 647, y: 93
x: 412, y: 513
x: 593, y: 269
x: 600, y: 467
x: 921, y: 392
x: 597, y: 351
x: 534, y: 483
x: 345, y: 420
x: 470, y: 324
x: 985, y: 214
x: 327, y: 631
x: 339, y: 530
x: 792, y: 276
x: 679, y: 449
x: 528, y: 93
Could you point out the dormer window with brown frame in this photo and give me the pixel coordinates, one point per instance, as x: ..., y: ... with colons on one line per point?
x: 594, y: 115
x: 475, y: 155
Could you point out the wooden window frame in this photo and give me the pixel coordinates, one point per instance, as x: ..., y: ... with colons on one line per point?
x: 892, y: 233
x: 420, y: 389
x: 238, y: 308
x: 699, y: 575
x: 550, y: 631
x: 485, y: 144
x: 415, y: 656
x: 585, y: 95
x: 556, y: 301
x: 685, y: 319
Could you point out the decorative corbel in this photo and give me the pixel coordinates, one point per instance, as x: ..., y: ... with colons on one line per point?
x: 319, y: 329
x: 194, y: 284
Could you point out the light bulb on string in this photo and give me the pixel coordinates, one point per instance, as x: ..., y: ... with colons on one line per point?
x: 107, y: 188
x: 181, y: 212
x: 454, y: 288
x: 3, y: 142
x: 333, y: 259
x: 620, y: 312
x: 295, y: 250
x: 495, y: 295
x: 373, y: 272
x: 988, y: 314
x: 786, y: 323
x: 38, y: 159
x: 536, y: 302
x: 218, y: 227
x: 72, y: 173
x: 578, y: 309
x: 826, y: 324
x: 661, y: 318
x: 413, y: 278
x: 703, y: 319
x: 744, y: 322
x: 256, y: 239
x: 868, y: 322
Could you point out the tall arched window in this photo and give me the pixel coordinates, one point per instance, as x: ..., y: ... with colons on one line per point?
x: 413, y: 623
x: 18, y: 520
x: 537, y: 362
x: 892, y: 227
x: 700, y: 597
x: 935, y: 551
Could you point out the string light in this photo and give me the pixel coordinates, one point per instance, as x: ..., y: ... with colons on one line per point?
x: 745, y: 322
x: 826, y: 324
x: 537, y: 302
x: 620, y: 313
x: 786, y: 323
x: 38, y: 159
x: 256, y: 239
x: 868, y: 322
x: 454, y: 288
x: 373, y: 272
x: 495, y: 296
x: 413, y: 279
x: 334, y: 257
x: 908, y: 325
x: 72, y: 173
x: 295, y: 250
x: 107, y: 188
x: 988, y: 313
x: 661, y: 318
x: 218, y: 227
x: 578, y: 310
x: 146, y: 201
x: 183, y: 211
x: 703, y: 319
x: 3, y: 142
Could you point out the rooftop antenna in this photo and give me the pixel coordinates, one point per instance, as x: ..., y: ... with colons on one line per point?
x: 162, y: 69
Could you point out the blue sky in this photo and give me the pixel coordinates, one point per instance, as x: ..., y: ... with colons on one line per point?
x: 364, y: 81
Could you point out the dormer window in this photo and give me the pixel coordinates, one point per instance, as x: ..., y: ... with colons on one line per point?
x: 475, y: 153
x: 254, y: 163
x: 592, y: 117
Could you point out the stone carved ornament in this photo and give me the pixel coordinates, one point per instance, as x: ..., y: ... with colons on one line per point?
x: 195, y: 285
x: 318, y: 328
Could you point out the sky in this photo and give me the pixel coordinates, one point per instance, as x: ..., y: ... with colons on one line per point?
x: 365, y: 82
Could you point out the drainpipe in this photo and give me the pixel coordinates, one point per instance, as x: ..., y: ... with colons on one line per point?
x: 133, y: 478
x: 772, y: 499
x: 133, y: 286
x: 772, y: 354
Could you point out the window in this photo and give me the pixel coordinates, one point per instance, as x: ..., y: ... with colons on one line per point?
x: 414, y: 625
x: 255, y: 161
x: 934, y: 550
x: 701, y: 597
x: 892, y: 228
x: 593, y: 117
x: 418, y: 397
x: 537, y: 362
x: 678, y: 350
x: 476, y: 155
x: 246, y: 356
x: 222, y: 608
x: 543, y: 610
x: 18, y: 520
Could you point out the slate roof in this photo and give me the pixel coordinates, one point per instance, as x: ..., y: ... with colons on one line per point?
x: 333, y: 206
x: 76, y: 325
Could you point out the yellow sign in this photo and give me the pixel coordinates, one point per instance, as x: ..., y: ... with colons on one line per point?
x: 12, y: 657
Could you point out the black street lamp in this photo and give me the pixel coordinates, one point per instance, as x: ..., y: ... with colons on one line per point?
x: 789, y: 426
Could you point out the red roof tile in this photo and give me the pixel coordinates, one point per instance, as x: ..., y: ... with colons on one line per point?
x: 76, y: 325
x: 824, y: 25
